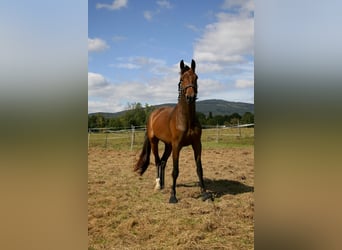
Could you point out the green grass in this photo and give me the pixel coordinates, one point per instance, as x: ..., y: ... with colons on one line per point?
x: 211, y: 139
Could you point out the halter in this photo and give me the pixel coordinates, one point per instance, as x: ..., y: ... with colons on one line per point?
x: 181, y: 90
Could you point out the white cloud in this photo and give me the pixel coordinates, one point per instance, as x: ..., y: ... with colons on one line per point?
x: 224, y: 54
x: 143, y: 61
x: 244, y: 83
x: 192, y: 27
x: 126, y: 66
x: 104, y: 105
x: 148, y: 15
x: 164, y: 4
x: 208, y: 88
x: 227, y: 41
x: 211, y: 67
x: 222, y: 89
x: 106, y: 96
x: 153, y: 65
x: 96, y: 82
x: 116, y: 5
x: 97, y: 45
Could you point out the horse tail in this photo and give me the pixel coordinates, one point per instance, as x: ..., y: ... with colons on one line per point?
x: 144, y: 159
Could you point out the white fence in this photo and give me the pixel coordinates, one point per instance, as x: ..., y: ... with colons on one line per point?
x: 125, y: 138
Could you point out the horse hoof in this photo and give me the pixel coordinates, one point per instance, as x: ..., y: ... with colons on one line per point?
x: 173, y: 200
x: 206, y: 196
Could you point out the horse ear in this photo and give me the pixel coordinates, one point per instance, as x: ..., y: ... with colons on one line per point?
x: 193, y: 65
x: 181, y: 65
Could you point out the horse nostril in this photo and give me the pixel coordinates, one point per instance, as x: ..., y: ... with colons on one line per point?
x: 190, y: 98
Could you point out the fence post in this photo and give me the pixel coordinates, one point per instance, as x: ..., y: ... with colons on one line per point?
x: 217, y: 133
x: 88, y: 137
x: 106, y: 140
x: 132, y: 138
x: 239, y: 128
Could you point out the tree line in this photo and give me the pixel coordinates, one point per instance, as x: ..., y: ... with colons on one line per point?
x: 137, y: 115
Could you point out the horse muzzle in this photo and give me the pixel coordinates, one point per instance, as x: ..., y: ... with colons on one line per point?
x: 190, y: 98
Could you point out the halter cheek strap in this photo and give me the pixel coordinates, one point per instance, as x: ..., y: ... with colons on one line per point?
x: 181, y: 90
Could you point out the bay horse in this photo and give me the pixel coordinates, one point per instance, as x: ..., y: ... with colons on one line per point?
x: 176, y: 127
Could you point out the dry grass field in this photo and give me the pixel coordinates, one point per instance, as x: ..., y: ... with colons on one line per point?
x: 124, y: 211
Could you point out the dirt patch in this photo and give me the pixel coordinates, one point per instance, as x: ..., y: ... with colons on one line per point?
x: 124, y: 211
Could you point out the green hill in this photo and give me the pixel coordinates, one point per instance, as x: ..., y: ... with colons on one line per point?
x: 216, y: 107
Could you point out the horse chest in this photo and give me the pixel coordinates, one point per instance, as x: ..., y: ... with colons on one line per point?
x: 181, y: 127
x: 181, y: 123
x: 187, y: 137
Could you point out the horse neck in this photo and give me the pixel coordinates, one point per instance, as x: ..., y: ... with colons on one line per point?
x: 187, y: 112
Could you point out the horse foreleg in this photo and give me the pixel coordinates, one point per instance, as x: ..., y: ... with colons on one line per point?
x: 175, y: 172
x: 197, y: 153
x: 205, y: 195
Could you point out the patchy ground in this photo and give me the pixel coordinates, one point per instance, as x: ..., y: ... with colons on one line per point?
x: 124, y: 211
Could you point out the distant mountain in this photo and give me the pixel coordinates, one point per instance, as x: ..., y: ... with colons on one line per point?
x: 216, y: 107
x: 221, y: 107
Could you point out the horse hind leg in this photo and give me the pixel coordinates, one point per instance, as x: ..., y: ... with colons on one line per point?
x: 154, y: 146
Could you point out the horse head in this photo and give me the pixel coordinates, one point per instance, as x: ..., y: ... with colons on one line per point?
x: 187, y: 86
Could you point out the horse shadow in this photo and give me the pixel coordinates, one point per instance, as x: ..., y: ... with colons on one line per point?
x: 223, y: 187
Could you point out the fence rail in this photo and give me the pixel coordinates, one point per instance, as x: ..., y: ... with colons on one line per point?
x: 125, y: 138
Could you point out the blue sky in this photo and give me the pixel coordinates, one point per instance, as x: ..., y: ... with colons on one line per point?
x: 134, y: 50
